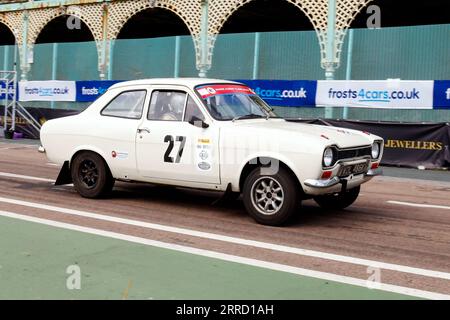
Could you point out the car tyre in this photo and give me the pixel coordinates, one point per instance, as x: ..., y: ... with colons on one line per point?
x: 339, y: 200
x: 91, y: 175
x: 271, y: 199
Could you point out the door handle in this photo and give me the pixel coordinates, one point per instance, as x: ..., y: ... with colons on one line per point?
x: 140, y: 130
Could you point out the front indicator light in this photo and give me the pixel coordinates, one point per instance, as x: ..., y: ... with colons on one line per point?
x: 326, y: 175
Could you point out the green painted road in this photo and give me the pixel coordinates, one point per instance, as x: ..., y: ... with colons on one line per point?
x: 34, y: 259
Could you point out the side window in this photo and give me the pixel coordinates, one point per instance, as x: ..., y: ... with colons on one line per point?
x: 192, y: 111
x: 128, y: 105
x: 167, y: 105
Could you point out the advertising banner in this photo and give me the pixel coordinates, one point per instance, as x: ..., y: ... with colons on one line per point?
x: 89, y: 91
x: 389, y: 94
x: 4, y: 91
x: 47, y: 91
x: 285, y: 93
x: 406, y: 144
x: 441, y: 94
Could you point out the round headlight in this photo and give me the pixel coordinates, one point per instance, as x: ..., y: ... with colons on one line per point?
x: 375, y: 150
x: 328, y: 157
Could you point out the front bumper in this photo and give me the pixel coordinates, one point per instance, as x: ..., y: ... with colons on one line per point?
x: 336, y: 184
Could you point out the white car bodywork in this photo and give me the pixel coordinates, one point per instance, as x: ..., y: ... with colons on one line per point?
x: 213, y: 158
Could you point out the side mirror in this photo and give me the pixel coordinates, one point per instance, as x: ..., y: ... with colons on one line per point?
x: 197, y: 122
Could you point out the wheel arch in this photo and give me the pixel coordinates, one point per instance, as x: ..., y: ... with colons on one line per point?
x: 65, y: 176
x: 93, y: 150
x: 261, y: 160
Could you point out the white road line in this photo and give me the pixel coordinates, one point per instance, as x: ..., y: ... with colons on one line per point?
x: 419, y: 205
x: 22, y: 177
x: 232, y: 258
x: 18, y: 147
x: 239, y: 241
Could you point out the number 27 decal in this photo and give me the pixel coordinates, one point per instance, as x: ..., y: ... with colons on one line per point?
x: 171, y: 141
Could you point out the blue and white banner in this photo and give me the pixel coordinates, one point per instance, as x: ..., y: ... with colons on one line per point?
x: 285, y: 93
x: 380, y: 94
x: 4, y: 91
x: 89, y: 91
x: 47, y: 91
x: 389, y: 94
x: 441, y: 94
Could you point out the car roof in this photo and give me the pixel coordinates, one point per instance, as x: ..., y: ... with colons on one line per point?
x: 189, y: 82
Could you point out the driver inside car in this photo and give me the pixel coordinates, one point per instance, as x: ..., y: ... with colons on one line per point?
x: 175, y: 107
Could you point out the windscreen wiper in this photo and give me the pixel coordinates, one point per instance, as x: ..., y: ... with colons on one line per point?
x: 249, y: 116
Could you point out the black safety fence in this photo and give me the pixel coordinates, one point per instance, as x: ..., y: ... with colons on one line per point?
x: 406, y: 144
x: 40, y: 114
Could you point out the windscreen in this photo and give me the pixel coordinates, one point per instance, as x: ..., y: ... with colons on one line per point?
x: 232, y: 101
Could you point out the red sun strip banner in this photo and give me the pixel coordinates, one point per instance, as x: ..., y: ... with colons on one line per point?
x: 214, y: 90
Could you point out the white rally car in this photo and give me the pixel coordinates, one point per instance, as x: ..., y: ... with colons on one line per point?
x: 210, y: 134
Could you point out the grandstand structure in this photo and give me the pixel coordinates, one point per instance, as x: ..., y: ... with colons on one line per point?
x: 203, y: 20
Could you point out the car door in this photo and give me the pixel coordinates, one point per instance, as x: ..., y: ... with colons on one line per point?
x: 169, y: 149
x: 113, y: 130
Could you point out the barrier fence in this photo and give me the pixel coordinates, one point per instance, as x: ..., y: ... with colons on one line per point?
x: 389, y: 94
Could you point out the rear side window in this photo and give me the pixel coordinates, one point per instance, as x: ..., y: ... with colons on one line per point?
x: 129, y: 105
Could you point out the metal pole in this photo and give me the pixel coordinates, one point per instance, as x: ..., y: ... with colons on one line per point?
x: 256, y: 55
x: 14, y: 104
x: 104, y: 45
x: 176, y: 72
x: 5, y: 67
x: 203, y: 68
x: 54, y: 68
x: 111, y: 59
x: 5, y: 126
x: 24, y: 63
x: 54, y: 61
x: 103, y: 59
x: 330, y: 48
x: 348, y: 73
x: 15, y: 57
x: 6, y: 58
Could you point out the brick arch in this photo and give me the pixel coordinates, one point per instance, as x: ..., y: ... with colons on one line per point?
x: 121, y: 12
x: 39, y: 19
x: 90, y: 15
x: 221, y: 11
x: 315, y: 10
x: 13, y: 21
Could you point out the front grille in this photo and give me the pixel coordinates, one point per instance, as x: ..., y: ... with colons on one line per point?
x: 354, y: 153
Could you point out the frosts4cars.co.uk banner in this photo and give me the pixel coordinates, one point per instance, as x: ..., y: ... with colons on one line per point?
x: 89, y: 91
x: 285, y: 93
x: 389, y: 94
x: 47, y: 91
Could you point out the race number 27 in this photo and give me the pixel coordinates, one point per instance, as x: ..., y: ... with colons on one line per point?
x: 171, y: 141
